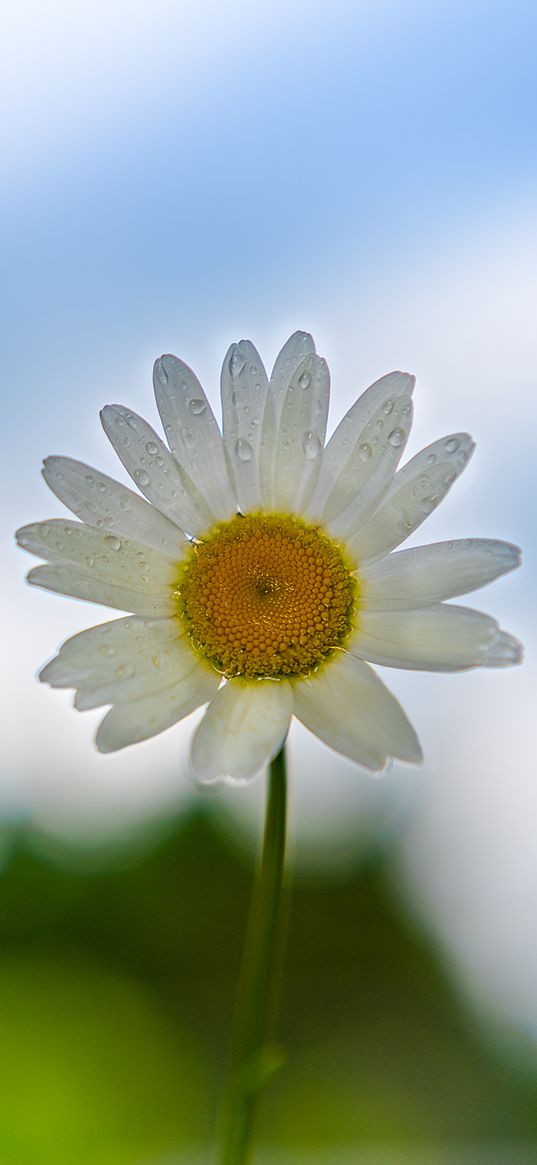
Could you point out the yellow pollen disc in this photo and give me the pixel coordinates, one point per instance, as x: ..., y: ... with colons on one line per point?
x: 266, y: 595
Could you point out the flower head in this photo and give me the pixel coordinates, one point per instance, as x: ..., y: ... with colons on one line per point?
x: 258, y: 570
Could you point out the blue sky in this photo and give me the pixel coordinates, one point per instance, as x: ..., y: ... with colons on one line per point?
x: 179, y: 175
x: 160, y: 173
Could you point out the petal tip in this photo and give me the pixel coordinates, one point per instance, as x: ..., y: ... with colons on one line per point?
x: 164, y: 367
x: 46, y: 675
x: 410, y: 381
x: 111, y: 410
x: 517, y: 555
x: 103, y: 745
x: 506, y: 651
x: 414, y: 756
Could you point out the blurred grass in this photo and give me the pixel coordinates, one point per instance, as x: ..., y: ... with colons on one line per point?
x: 117, y: 986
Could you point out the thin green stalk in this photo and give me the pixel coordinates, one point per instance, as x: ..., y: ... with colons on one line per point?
x: 254, y: 1058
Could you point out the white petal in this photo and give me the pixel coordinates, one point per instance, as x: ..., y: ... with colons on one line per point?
x: 417, y: 489
x: 301, y: 433
x: 268, y: 444
x: 428, y: 574
x: 130, y: 723
x: 193, y: 434
x: 443, y: 638
x: 360, y: 444
x: 243, y: 728
x: 156, y: 472
x: 505, y: 652
x: 244, y: 392
x: 120, y: 661
x: 293, y: 353
x: 348, y: 706
x: 101, y: 555
x: 66, y: 579
x: 363, y: 483
x: 100, y: 501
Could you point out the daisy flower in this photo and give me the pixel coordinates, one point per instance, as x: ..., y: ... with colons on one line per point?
x: 258, y: 571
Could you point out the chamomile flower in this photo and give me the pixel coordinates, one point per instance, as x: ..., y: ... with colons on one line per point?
x: 258, y: 570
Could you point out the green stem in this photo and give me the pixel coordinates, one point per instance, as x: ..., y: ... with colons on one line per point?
x: 254, y: 1059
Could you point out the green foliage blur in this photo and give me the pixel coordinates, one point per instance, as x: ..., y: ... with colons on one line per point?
x: 117, y: 984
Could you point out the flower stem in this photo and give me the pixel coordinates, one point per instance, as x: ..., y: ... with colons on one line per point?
x: 254, y: 1059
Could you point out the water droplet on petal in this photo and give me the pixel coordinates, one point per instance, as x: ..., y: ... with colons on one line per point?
x: 159, y: 461
x: 311, y: 446
x: 431, y: 458
x: 397, y: 437
x: 112, y: 542
x: 151, y: 448
x: 89, y: 561
x: 243, y: 450
x: 451, y: 445
x: 365, y: 452
x: 89, y: 478
x: 101, y: 487
x: 197, y: 406
x: 188, y: 438
x: 141, y: 477
x: 124, y: 671
x: 105, y: 649
x: 155, y: 661
x: 236, y: 364
x: 388, y: 407
x: 304, y: 380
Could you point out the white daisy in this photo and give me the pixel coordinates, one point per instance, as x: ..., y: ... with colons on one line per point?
x: 259, y: 575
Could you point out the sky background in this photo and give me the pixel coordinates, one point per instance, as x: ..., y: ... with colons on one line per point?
x: 178, y: 176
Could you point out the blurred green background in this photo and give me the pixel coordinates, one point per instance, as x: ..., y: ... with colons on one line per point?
x: 118, y: 976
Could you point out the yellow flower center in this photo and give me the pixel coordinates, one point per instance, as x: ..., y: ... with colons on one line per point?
x: 266, y: 595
